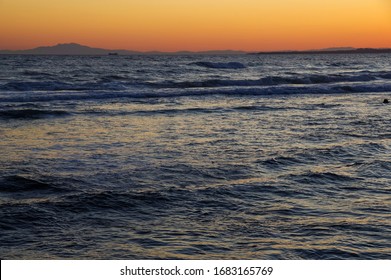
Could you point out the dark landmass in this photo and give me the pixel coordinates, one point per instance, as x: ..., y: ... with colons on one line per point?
x: 77, y: 49
x: 69, y: 49
x: 346, y: 50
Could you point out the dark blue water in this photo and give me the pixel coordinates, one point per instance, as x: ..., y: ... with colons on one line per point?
x: 195, y: 157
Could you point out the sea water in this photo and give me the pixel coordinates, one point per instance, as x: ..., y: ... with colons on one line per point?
x: 195, y: 157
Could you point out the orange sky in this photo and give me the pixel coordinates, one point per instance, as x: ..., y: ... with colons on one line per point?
x: 171, y: 25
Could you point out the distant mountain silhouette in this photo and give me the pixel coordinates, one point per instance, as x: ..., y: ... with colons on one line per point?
x: 69, y: 49
x: 342, y: 50
x: 336, y: 49
x: 77, y: 49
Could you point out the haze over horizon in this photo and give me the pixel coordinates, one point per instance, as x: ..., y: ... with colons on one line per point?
x: 173, y: 25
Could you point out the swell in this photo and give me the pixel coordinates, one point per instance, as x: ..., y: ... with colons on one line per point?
x: 115, y: 82
x: 321, y: 178
x: 219, y: 65
x: 31, y: 113
x: 309, y: 79
x: 262, y: 213
x: 193, y: 110
x: 25, y: 86
x: 23, y: 184
x: 237, y: 91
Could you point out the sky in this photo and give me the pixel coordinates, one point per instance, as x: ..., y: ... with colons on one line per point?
x: 196, y: 25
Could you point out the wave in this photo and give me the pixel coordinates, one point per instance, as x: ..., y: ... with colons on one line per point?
x: 37, y: 73
x: 321, y: 178
x: 28, y: 86
x: 185, y: 111
x: 91, y: 201
x: 62, y: 86
x: 280, y: 162
x: 166, y: 111
x: 278, y: 80
x: 31, y: 114
x: 123, y: 83
x: 18, y: 183
x: 219, y: 65
x: 375, y: 169
x: 162, y: 93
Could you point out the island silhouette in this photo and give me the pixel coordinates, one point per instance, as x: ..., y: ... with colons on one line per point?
x: 78, y: 49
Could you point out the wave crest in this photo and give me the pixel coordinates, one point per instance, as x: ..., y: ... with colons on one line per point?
x: 31, y: 114
x: 220, y: 65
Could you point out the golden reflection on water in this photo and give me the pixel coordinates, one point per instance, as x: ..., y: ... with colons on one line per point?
x: 131, y: 141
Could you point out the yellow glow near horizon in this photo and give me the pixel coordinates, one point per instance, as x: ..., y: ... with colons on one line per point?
x: 172, y: 25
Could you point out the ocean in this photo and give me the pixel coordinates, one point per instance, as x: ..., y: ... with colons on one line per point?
x: 195, y: 157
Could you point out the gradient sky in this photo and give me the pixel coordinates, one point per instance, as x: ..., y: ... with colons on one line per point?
x: 171, y: 25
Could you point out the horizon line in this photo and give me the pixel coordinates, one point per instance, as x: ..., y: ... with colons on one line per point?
x: 200, y: 51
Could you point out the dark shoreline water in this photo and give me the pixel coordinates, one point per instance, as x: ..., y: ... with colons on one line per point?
x: 150, y: 170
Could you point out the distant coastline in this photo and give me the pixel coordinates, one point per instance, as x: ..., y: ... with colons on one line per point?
x: 329, y: 51
x: 77, y: 49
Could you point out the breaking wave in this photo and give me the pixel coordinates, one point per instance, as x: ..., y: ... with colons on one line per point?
x: 173, y: 93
